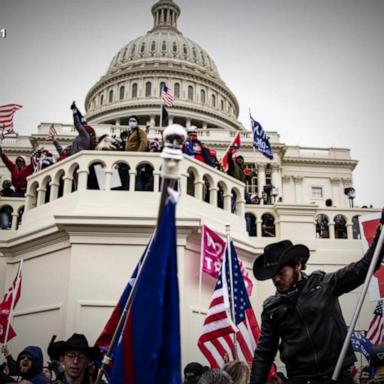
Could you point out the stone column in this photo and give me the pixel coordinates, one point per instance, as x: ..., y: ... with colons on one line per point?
x: 285, y: 188
x: 41, y: 196
x: 152, y: 121
x: 227, y: 201
x: 67, y: 185
x: 298, y: 189
x: 183, y: 183
x: 213, y: 195
x: 54, y: 190
x: 29, y: 199
x: 170, y: 120
x: 335, y: 184
x: 199, y: 189
x: 349, y: 231
x: 156, y: 180
x: 82, y: 179
x: 260, y: 177
x: 188, y: 123
x: 276, y: 179
x: 132, y: 179
x: 15, y: 216
x: 331, y: 228
x: 240, y: 204
x: 258, y: 227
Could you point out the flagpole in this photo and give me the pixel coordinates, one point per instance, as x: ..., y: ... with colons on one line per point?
x: 233, y: 315
x: 14, y: 290
x: 174, y: 136
x: 360, y: 302
x: 161, y: 109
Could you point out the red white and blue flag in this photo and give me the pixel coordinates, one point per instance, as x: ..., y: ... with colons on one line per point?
x: 375, y: 333
x: 222, y: 338
x: 6, y: 117
x: 167, y: 96
x: 148, y: 345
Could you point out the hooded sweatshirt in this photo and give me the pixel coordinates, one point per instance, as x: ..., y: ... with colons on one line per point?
x: 19, y: 176
x: 35, y: 375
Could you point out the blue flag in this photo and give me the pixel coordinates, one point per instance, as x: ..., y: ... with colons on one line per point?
x: 360, y: 343
x: 148, y: 348
x: 260, y: 139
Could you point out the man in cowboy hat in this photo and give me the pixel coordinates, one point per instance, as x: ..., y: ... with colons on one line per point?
x: 304, y: 319
x: 75, y: 355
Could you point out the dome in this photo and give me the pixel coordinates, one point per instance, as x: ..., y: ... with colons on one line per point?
x: 167, y: 45
x: 163, y: 56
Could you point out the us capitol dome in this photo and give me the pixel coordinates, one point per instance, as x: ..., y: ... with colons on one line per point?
x: 163, y: 55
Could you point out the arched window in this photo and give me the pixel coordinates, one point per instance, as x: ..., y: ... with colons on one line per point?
x: 268, y: 225
x: 222, y: 105
x: 148, y: 89
x: 194, y: 53
x: 191, y: 184
x: 134, y: 90
x: 185, y: 50
x: 340, y: 227
x: 162, y: 84
x: 322, y: 228
x: 101, y: 99
x: 110, y: 97
x: 177, y: 91
x: 202, y: 96
x: 164, y: 46
x: 6, y: 217
x: 356, y: 228
x: 213, y: 101
x: 122, y: 92
x: 220, y: 196
x: 250, y: 221
x: 190, y: 92
x: 153, y: 46
x: 206, y: 189
x: 20, y: 214
x: 174, y: 47
x: 142, y: 49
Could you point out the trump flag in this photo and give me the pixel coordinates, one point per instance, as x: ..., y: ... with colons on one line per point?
x: 148, y: 346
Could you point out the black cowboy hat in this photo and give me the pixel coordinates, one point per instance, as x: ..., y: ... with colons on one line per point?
x: 77, y: 342
x: 276, y: 256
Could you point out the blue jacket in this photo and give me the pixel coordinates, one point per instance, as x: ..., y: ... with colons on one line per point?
x: 35, y: 375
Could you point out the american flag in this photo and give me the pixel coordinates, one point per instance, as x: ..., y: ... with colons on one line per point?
x: 167, y: 96
x: 217, y: 340
x: 375, y: 333
x: 52, y: 132
x: 6, y: 117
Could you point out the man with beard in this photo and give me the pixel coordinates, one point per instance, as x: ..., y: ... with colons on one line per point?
x: 30, y: 366
x: 304, y: 319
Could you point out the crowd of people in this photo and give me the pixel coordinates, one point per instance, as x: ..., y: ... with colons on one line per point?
x: 74, y: 361
x: 133, y: 138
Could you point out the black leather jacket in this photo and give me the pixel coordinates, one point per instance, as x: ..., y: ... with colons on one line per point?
x: 306, y: 324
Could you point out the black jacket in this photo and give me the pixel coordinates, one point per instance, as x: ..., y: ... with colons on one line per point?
x: 306, y: 324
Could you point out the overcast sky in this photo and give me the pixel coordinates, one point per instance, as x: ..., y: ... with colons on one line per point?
x: 311, y: 70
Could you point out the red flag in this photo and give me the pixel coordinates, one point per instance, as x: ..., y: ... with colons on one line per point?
x: 368, y: 227
x: 212, y: 253
x: 7, y: 305
x: 224, y: 160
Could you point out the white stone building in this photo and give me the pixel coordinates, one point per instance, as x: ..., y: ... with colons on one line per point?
x: 80, y: 246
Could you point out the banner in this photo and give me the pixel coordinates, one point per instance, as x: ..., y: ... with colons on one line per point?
x: 213, y: 247
x: 368, y: 226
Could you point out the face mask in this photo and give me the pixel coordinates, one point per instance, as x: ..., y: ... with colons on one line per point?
x: 132, y: 124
